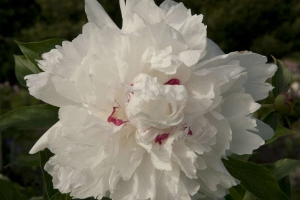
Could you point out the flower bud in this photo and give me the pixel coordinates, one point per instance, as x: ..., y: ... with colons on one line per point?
x: 284, y: 103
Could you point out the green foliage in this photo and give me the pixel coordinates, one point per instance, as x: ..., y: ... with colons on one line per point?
x: 30, y: 117
x: 59, y: 196
x: 9, y: 190
x: 34, y: 50
x: 23, y: 67
x: 282, y: 168
x: 255, y: 178
x: 282, y: 79
x: 27, y: 160
x: 280, y: 131
x: 234, y: 194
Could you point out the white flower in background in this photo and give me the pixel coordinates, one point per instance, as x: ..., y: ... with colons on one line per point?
x: 148, y: 111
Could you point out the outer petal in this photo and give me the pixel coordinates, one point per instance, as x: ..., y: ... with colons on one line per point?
x: 42, y: 87
x: 176, y: 14
x: 97, y: 15
x: 215, y: 179
x: 212, y: 50
x: 149, y: 11
x: 255, y: 67
x: 237, y: 109
x: 263, y: 130
x: 167, y: 4
x: 42, y: 143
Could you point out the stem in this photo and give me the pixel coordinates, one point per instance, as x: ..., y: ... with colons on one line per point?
x: 288, y: 122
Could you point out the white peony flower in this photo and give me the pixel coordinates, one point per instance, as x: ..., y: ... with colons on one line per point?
x: 148, y: 111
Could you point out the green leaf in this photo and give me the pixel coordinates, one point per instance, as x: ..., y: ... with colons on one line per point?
x: 30, y: 117
x: 9, y: 190
x: 283, y: 167
x: 282, y: 78
x: 249, y: 196
x: 234, y: 194
x: 59, y: 196
x: 23, y: 67
x: 244, y: 157
x: 255, y: 178
x: 272, y: 119
x: 285, y: 186
x: 49, y: 191
x: 280, y: 131
x: 34, y: 50
x: 28, y: 160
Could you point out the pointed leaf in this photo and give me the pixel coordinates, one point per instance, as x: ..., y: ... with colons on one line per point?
x: 285, y: 186
x: 28, y: 160
x: 244, y: 157
x: 34, y: 50
x: 255, y: 178
x: 282, y: 78
x: 59, y: 196
x: 30, y: 117
x: 23, y: 67
x: 283, y: 167
x: 249, y: 196
x: 234, y: 194
x: 280, y: 131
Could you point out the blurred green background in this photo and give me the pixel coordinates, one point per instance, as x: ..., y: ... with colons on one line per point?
x: 263, y: 26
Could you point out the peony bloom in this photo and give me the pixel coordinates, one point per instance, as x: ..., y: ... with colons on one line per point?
x: 148, y: 111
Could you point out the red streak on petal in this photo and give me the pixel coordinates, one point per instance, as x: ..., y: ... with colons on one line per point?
x: 130, y: 94
x: 173, y: 81
x: 190, y: 131
x: 160, y: 138
x: 115, y: 121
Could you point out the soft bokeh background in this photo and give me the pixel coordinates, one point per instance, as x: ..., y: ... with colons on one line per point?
x: 263, y: 26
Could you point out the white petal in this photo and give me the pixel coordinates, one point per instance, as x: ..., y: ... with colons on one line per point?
x: 238, y: 105
x: 41, y: 87
x: 176, y: 15
x: 190, y: 57
x: 194, y: 32
x: 167, y: 4
x: 224, y: 134
x: 149, y: 11
x: 244, y: 141
x: 212, y: 50
x: 161, y: 156
x: 185, y: 158
x: 42, y: 143
x: 255, y: 67
x: 146, y: 175
x: 97, y: 15
x: 264, y: 130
